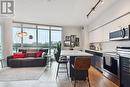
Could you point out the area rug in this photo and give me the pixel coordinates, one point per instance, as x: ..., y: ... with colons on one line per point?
x: 19, y: 74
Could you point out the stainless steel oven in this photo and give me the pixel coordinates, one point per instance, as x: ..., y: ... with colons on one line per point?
x: 111, y: 63
x: 111, y: 67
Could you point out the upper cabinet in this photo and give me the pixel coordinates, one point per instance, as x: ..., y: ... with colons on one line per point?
x: 96, y: 36
x: 101, y: 34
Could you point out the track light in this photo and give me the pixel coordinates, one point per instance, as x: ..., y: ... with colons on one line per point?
x: 95, y: 6
x: 94, y: 10
x: 102, y: 2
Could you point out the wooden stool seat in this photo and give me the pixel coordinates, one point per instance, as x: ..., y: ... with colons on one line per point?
x: 81, y: 63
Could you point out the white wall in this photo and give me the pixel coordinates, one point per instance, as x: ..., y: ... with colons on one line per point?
x: 6, y: 36
x: 102, y: 34
x: 67, y: 31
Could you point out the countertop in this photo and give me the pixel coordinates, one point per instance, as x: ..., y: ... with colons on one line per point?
x: 96, y: 51
x: 99, y: 52
x: 74, y: 53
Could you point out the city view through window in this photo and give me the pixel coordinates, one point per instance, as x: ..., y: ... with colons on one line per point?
x: 37, y: 37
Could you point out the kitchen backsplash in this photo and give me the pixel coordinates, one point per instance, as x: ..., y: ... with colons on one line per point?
x: 111, y: 45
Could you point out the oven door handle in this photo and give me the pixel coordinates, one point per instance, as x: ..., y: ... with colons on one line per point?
x: 123, y: 33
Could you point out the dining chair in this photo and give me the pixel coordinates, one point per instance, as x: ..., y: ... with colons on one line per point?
x: 81, y: 63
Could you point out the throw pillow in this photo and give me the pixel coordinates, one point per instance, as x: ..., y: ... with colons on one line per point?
x: 19, y: 55
x: 38, y: 54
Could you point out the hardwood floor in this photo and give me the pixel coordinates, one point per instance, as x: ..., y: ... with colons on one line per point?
x: 98, y: 80
x: 48, y: 79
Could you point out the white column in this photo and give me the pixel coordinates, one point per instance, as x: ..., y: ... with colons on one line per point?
x: 85, y: 43
x: 6, y: 37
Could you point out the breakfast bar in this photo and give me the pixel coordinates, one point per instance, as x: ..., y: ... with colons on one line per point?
x: 81, y: 75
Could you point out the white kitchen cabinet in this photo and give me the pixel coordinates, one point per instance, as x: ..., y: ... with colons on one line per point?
x: 96, y: 36
x: 107, y: 29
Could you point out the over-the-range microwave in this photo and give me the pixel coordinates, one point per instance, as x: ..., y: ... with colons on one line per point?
x: 122, y: 34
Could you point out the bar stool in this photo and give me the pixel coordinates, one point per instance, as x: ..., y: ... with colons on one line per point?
x: 61, y: 60
x: 81, y: 63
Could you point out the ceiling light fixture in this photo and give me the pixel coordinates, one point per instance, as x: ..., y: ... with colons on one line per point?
x: 102, y: 2
x: 22, y: 34
x: 95, y: 6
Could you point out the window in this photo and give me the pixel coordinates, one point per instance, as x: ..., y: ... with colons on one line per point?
x: 30, y: 39
x: 43, y: 38
x: 37, y: 36
x: 16, y: 39
x: 55, y: 37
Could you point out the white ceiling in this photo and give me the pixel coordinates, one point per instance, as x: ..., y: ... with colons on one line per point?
x: 58, y: 12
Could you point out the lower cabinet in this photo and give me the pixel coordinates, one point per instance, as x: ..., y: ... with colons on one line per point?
x: 97, y: 60
x: 93, y: 61
x: 124, y: 72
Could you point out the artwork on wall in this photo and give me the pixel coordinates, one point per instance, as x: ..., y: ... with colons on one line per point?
x: 77, y: 41
x: 71, y: 41
x: 67, y: 38
x: 67, y: 43
x: 72, y: 38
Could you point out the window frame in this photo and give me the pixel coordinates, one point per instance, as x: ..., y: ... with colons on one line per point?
x: 37, y: 28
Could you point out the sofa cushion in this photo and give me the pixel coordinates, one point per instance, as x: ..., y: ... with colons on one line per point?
x: 19, y: 55
x: 38, y: 54
x: 30, y: 54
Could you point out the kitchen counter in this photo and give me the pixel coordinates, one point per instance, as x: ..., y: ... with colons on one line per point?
x: 101, y: 51
x: 96, y: 51
x: 74, y: 53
